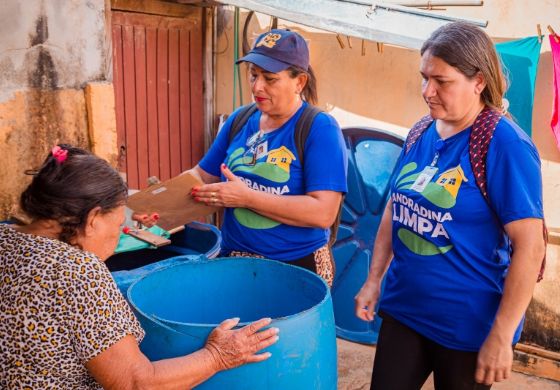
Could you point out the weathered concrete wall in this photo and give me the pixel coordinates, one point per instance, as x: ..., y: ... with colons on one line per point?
x: 51, y: 44
x: 102, y: 124
x: 382, y: 89
x: 48, y: 51
x: 30, y: 124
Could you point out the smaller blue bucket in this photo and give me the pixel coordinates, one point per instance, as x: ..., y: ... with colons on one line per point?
x: 197, y: 239
x: 180, y: 305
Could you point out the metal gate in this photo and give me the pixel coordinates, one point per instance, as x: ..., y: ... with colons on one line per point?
x: 157, y: 74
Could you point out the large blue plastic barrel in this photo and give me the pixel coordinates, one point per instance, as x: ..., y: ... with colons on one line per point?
x: 197, y: 239
x: 372, y: 155
x: 179, y: 306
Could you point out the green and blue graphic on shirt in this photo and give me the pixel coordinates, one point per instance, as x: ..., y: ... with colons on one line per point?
x: 450, y: 251
x: 270, y: 163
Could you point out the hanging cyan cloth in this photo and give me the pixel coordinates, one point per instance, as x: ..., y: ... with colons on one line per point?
x: 520, y: 59
x: 555, y: 121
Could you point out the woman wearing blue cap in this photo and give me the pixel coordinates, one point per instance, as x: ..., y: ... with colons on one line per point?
x: 280, y: 201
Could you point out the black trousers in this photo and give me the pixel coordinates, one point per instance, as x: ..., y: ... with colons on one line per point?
x: 404, y: 359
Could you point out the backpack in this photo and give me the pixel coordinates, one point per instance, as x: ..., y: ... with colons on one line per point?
x: 479, y: 141
x: 303, y: 126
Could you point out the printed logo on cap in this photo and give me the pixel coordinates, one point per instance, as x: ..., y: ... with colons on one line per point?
x: 269, y: 40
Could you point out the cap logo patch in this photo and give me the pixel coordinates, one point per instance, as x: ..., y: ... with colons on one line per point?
x: 269, y: 40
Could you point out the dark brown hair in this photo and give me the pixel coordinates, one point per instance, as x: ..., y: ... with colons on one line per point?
x: 470, y: 50
x: 67, y: 191
x: 309, y: 92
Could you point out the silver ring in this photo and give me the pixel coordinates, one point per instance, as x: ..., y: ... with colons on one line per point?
x: 213, y: 195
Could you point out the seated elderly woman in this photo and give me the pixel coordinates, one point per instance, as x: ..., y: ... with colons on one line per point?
x: 63, y: 322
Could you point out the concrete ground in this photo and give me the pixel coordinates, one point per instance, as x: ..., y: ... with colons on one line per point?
x: 355, y: 363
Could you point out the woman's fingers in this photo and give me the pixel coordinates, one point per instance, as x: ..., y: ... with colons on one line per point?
x: 209, y: 194
x: 494, y: 360
x: 259, y: 357
x: 479, y: 374
x: 255, y: 326
x: 229, y: 323
x: 365, y: 313
x: 500, y: 376
x: 489, y: 377
x: 365, y: 301
x: 145, y: 219
x: 230, y: 193
x: 264, y: 338
x: 233, y: 347
x: 227, y: 173
x: 261, y: 343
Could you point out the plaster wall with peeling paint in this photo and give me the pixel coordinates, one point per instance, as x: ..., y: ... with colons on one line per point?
x: 49, y: 51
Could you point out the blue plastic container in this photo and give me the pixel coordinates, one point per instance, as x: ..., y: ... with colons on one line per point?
x: 197, y: 239
x: 372, y: 155
x: 179, y: 306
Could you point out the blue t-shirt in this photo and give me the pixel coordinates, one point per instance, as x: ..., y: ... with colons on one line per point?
x: 451, y: 254
x: 271, y: 164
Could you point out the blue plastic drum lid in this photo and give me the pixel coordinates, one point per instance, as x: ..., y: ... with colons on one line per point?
x: 372, y: 155
x: 180, y: 305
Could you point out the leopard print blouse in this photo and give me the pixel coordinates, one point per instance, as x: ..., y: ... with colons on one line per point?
x: 59, y: 308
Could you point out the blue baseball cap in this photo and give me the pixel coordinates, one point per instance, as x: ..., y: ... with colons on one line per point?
x: 277, y: 50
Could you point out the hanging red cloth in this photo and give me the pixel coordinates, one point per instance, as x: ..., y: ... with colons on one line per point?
x: 555, y: 122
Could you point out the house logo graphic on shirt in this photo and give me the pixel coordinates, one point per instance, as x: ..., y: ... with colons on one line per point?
x: 451, y: 180
x: 423, y: 225
x: 275, y: 169
x: 281, y: 157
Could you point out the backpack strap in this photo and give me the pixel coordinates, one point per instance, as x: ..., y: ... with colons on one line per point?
x: 303, y: 127
x: 479, y: 142
x: 240, y: 119
x: 416, y: 131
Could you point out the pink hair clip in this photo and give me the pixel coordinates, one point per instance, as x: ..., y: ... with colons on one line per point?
x: 59, y: 154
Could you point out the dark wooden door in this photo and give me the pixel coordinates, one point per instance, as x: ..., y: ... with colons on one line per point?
x: 157, y: 74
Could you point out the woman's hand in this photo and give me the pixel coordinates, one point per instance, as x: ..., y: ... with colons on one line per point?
x: 145, y: 219
x: 123, y: 366
x: 495, y: 356
x: 366, y: 299
x: 232, y: 348
x: 494, y: 361
x: 232, y: 193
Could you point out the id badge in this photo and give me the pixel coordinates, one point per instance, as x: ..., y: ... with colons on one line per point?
x: 262, y: 150
x: 252, y: 139
x: 424, y: 178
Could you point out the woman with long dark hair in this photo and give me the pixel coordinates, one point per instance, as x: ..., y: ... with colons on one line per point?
x: 462, y: 234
